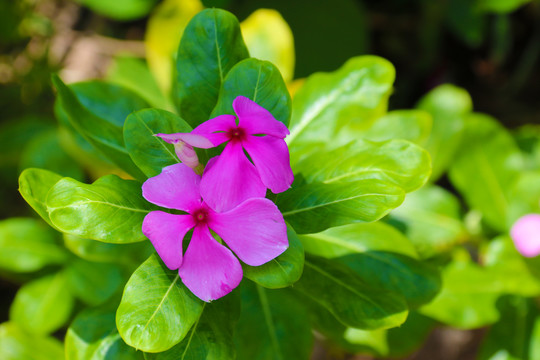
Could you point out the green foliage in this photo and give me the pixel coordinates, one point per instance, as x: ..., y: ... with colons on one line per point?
x: 109, y: 210
x: 282, y: 271
x: 148, y: 152
x: 157, y: 310
x: 124, y: 10
x: 93, y: 335
x: 269, y: 320
x: 211, y: 45
x: 15, y: 344
x: 345, y: 294
x: 27, y: 245
x: 44, y: 305
x: 493, y: 157
x: 259, y: 81
x: 412, y: 125
x: 34, y: 185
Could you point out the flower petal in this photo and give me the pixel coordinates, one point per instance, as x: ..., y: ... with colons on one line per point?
x: 230, y: 179
x: 254, y: 230
x: 271, y: 158
x: 526, y: 235
x: 209, y: 270
x: 166, y: 232
x: 255, y: 119
x: 198, y: 141
x: 216, y: 129
x: 177, y: 187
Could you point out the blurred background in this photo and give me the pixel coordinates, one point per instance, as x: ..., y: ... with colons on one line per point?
x: 491, y: 48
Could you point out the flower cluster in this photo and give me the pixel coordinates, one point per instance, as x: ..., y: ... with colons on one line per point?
x: 229, y: 199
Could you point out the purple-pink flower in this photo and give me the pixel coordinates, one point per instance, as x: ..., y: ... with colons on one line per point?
x: 231, y: 177
x: 254, y: 230
x: 526, y: 235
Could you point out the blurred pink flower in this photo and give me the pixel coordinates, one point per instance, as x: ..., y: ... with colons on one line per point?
x: 526, y: 235
x: 254, y: 230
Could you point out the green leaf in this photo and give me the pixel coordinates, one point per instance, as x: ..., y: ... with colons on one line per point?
x: 97, y: 111
x: 93, y: 336
x: 34, y: 185
x: 97, y: 251
x: 123, y: 10
x: 273, y: 325
x: 507, y: 264
x: 259, y: 81
x: 500, y: 6
x: 397, y: 162
x: 510, y: 338
x: 468, y: 297
x: 486, y: 168
x: 330, y: 107
x: 44, y: 151
x: 467, y: 22
x: 380, y: 256
x: 28, y: 245
x: 348, y: 297
x: 42, y: 306
x: 110, y: 210
x: 211, y: 45
x: 412, y: 125
x: 133, y: 74
x: 523, y: 195
x: 157, y: 310
x: 448, y: 105
x: 15, y: 344
x: 150, y: 153
x: 93, y: 283
x: 210, y: 338
x: 315, y: 207
x: 431, y: 219
x: 282, y: 271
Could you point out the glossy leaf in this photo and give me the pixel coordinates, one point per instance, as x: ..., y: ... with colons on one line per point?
x: 34, y: 185
x: 44, y: 151
x: 468, y: 297
x: 210, y: 338
x: 211, y: 45
x: 380, y: 256
x: 396, y: 162
x: 27, y: 245
x: 315, y: 207
x: 282, y: 271
x: 93, y: 336
x: 495, y: 161
x: 431, y: 219
x: 355, y: 95
x: 259, y: 81
x: 157, y: 310
x: 273, y: 325
x: 269, y: 37
x: 345, y: 294
x: 150, y: 153
x: 448, y: 105
x: 97, y: 111
x: 169, y: 17
x: 15, y: 344
x: 93, y: 283
x: 42, y: 306
x: 412, y: 125
x: 109, y: 210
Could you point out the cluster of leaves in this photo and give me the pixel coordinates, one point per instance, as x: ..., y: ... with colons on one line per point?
x: 356, y: 277
x: 348, y: 275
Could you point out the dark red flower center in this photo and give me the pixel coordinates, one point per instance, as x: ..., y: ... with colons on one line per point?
x: 200, y: 216
x: 237, y: 134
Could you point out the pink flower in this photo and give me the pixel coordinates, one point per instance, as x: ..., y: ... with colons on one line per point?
x: 526, y: 235
x: 231, y: 178
x: 254, y: 230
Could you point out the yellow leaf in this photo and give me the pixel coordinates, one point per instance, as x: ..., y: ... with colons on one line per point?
x: 163, y: 33
x: 268, y: 37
